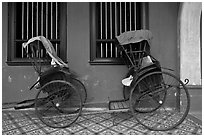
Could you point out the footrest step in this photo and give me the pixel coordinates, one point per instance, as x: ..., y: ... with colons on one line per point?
x: 118, y: 104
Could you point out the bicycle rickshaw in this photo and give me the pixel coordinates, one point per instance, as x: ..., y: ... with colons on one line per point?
x: 61, y: 95
x: 158, y: 99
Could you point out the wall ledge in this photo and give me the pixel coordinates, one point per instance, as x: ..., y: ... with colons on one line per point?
x: 194, y: 86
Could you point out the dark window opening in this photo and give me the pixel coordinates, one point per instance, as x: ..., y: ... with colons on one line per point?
x: 30, y: 19
x: 110, y: 19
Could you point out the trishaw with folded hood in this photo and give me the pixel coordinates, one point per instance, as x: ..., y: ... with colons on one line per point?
x: 61, y: 95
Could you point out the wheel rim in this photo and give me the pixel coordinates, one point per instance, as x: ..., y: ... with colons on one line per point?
x: 172, y: 109
x: 58, y: 104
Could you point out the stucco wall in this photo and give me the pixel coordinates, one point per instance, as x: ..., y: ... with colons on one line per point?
x: 101, y: 81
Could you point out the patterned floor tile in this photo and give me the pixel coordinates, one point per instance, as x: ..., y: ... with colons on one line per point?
x: 96, y: 128
x: 199, y: 131
x: 106, y: 115
x: 26, y: 122
x: 187, y: 128
x: 12, y: 132
x: 84, y: 132
x: 60, y: 132
x: 108, y: 132
x: 21, y: 119
x: 29, y: 128
x: 157, y: 133
x: 8, y: 127
x: 86, y: 123
x: 6, y: 122
x: 180, y: 132
x: 128, y: 123
x: 16, y: 115
x: 107, y: 123
x: 133, y: 132
x: 74, y: 128
x: 49, y: 129
x: 140, y: 128
x: 88, y: 116
x: 97, y: 119
x: 36, y: 132
x: 119, y: 128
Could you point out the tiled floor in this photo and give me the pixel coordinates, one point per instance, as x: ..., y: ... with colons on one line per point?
x: 26, y: 122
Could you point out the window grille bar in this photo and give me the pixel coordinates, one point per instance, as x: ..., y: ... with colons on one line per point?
x: 106, y: 29
x: 125, y: 17
x: 46, y: 13
x: 116, y: 33
x: 22, y: 20
x: 120, y: 18
x: 27, y: 19
x: 56, y: 19
x: 111, y: 27
x: 22, y: 28
x: 101, y: 29
x: 37, y: 20
x: 42, y: 18
x: 130, y: 17
x: 51, y: 19
x: 32, y: 19
x: 120, y: 23
x: 135, y: 7
x: 56, y: 48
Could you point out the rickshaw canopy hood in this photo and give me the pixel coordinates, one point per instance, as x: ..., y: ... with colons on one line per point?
x: 49, y: 49
x: 134, y: 37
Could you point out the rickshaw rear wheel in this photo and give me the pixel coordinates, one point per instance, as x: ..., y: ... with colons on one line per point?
x: 163, y: 93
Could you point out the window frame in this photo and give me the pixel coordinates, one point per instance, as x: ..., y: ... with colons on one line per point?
x: 11, y: 60
x: 110, y: 61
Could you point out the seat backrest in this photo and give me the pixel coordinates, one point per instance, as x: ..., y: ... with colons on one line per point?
x: 133, y: 53
x: 38, y: 56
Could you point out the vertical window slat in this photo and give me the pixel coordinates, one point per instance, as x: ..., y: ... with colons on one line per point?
x: 56, y: 20
x: 125, y: 18
x: 116, y: 32
x: 37, y: 19
x: 22, y: 27
x: 111, y: 28
x: 46, y: 13
x: 106, y: 30
x: 27, y: 19
x: 41, y: 18
x: 32, y: 19
x: 51, y: 21
x: 120, y: 17
x: 101, y: 28
x: 135, y: 7
x: 130, y: 10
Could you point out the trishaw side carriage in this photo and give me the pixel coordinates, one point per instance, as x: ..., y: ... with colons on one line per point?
x: 157, y: 99
x: 61, y: 95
